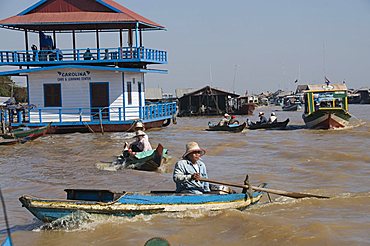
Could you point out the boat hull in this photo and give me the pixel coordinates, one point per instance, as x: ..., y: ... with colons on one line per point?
x: 131, y: 204
x: 327, y: 119
x: 269, y: 126
x: 292, y: 107
x: 31, y: 133
x: 97, y: 127
x: 144, y: 161
x: 228, y: 128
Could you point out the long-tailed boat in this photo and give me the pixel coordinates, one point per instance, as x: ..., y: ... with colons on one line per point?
x: 149, y: 160
x: 129, y: 204
x: 277, y: 125
x: 326, y: 106
x: 26, y: 132
x: 228, y: 128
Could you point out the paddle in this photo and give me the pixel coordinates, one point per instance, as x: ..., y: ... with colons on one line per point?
x: 277, y: 192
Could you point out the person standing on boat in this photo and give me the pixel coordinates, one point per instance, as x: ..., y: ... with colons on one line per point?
x: 272, y: 118
x: 225, y: 120
x: 190, y: 169
x: 262, y: 117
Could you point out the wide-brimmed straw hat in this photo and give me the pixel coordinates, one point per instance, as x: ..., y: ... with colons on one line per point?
x: 193, y: 147
x: 139, y: 133
x: 139, y: 124
x: 226, y: 115
x: 261, y: 113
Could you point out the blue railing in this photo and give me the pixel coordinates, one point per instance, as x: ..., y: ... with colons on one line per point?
x: 148, y: 113
x: 78, y: 56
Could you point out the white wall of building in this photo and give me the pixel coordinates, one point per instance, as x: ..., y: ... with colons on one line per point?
x: 75, y: 90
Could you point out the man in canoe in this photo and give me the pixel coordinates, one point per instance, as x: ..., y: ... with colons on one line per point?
x: 190, y: 169
x: 262, y: 117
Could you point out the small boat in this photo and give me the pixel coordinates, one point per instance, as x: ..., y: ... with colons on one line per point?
x: 291, y: 103
x: 14, y: 141
x: 129, y: 204
x: 326, y: 106
x: 269, y: 126
x: 228, y: 128
x: 291, y: 107
x: 26, y: 132
x: 149, y: 160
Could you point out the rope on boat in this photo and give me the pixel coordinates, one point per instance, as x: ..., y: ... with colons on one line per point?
x: 87, y: 125
x: 132, y: 125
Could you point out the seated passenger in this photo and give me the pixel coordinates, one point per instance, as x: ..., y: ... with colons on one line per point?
x: 262, y: 117
x: 225, y: 120
x: 233, y: 120
x: 139, y: 145
x: 272, y: 118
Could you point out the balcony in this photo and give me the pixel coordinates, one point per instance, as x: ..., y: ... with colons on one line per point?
x: 102, y: 56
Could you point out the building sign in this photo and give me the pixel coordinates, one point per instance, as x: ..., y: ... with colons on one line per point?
x: 73, y: 76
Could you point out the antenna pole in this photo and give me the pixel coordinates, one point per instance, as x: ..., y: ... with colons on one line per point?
x: 5, y: 217
x: 235, y: 69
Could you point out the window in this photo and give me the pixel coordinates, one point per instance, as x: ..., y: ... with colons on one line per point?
x: 52, y: 95
x: 129, y: 93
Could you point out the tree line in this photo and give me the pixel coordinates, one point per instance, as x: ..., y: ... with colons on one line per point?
x: 19, y: 93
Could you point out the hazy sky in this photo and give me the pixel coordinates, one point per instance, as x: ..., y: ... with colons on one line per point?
x: 241, y: 45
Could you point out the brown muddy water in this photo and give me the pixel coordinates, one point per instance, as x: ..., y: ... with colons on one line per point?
x: 334, y: 163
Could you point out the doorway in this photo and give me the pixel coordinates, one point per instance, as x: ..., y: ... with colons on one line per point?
x: 99, y: 99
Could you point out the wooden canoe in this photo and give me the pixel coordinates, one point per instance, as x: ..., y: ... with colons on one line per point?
x: 228, y: 128
x: 31, y: 133
x: 129, y: 204
x: 269, y: 126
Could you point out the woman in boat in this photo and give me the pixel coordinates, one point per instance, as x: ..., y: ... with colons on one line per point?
x: 190, y: 169
x: 225, y: 120
x: 140, y: 144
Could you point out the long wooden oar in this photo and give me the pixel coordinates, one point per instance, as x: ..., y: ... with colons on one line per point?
x: 277, y: 192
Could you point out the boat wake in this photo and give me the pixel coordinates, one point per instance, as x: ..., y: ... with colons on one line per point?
x: 108, y: 166
x: 69, y: 222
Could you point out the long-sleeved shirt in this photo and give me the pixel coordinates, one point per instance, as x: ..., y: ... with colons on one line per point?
x: 182, y: 173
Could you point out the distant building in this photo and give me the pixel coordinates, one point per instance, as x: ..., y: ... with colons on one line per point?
x: 204, y: 101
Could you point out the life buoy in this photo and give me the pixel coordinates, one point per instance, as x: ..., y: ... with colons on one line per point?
x: 166, y: 122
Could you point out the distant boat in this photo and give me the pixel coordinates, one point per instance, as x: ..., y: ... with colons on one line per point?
x: 326, y: 106
x: 291, y: 103
x: 244, y: 107
x: 269, y: 126
x: 23, y: 135
x: 129, y: 204
x: 291, y: 107
x: 24, y: 132
x: 228, y: 128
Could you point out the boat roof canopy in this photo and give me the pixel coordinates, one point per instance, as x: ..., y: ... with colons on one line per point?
x: 78, y: 15
x: 325, y: 87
